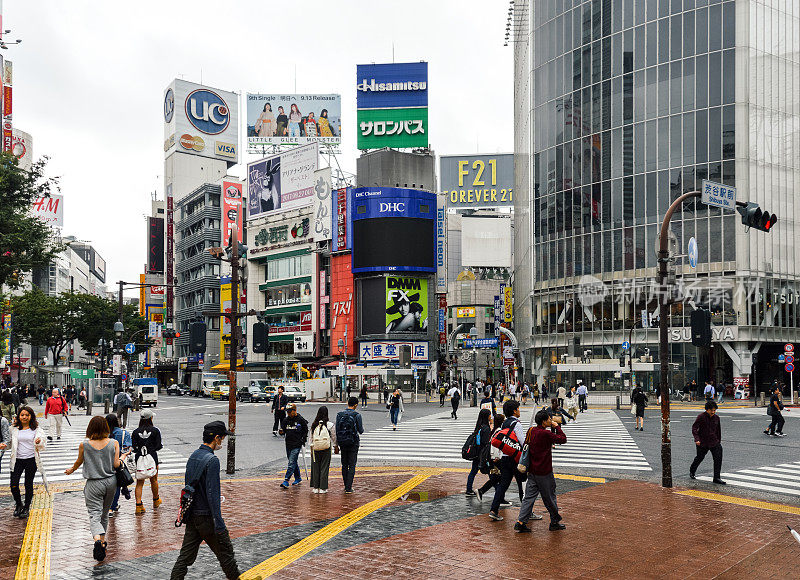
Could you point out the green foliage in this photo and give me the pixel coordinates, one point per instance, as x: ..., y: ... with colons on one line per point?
x: 55, y: 321
x: 26, y: 242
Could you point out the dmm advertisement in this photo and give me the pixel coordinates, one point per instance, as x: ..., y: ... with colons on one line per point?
x: 232, y: 208
x: 473, y: 181
x: 406, y: 304
x: 282, y: 182
x: 293, y: 120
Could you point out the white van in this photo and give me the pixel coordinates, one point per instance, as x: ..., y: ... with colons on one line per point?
x: 146, y: 390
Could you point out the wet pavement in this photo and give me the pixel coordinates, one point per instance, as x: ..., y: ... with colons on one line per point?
x: 614, y: 529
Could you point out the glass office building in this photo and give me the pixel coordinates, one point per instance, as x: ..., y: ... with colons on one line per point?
x: 620, y: 107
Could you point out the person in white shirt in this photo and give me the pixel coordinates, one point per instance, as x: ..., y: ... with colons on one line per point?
x: 709, y: 391
x: 582, y: 393
x: 455, y: 398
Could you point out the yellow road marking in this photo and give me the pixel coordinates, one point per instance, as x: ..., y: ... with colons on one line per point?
x: 34, y: 556
x: 282, y: 559
x: 764, y: 505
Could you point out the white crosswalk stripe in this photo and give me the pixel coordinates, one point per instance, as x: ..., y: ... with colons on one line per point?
x: 61, y: 454
x: 781, y: 478
x: 598, y: 440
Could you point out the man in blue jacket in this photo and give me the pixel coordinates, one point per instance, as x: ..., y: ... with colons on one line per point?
x: 204, y: 521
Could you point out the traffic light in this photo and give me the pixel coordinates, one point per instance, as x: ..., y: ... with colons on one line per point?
x: 170, y: 333
x: 260, y: 339
x: 701, y: 327
x: 197, y: 337
x: 753, y: 217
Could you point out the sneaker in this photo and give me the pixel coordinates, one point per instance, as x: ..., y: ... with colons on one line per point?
x: 521, y: 528
x: 720, y: 482
x: 536, y: 517
x: 297, y: 482
x: 322, y: 491
x: 112, y: 512
x: 25, y: 512
x: 99, y: 552
x: 780, y: 434
x: 49, y: 438
x: 479, y: 493
x: 470, y: 493
x: 348, y: 491
x: 140, y: 508
x: 59, y: 437
x: 506, y: 504
x: 17, y: 510
x: 495, y: 517
x: 157, y: 502
x: 766, y: 431
x: 557, y: 526
x: 285, y: 485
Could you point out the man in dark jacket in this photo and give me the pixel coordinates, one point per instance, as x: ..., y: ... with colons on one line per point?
x: 279, y: 403
x: 774, y: 410
x: 540, y: 440
x: 707, y: 437
x: 295, y: 428
x: 204, y: 521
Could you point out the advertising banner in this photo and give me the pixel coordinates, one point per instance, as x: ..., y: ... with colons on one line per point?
x: 302, y: 326
x: 406, y: 304
x: 170, y: 255
x: 498, y: 307
x: 303, y: 344
x: 281, y: 233
x: 22, y: 148
x: 441, y: 245
x: 389, y: 350
x: 282, y: 182
x: 443, y: 321
x: 232, y: 209
x: 477, y: 181
x: 508, y: 304
x: 225, y: 324
x: 340, y: 217
x: 392, y: 128
x: 486, y: 241
x: 8, y: 129
x: 490, y: 342
x: 321, y: 217
x: 293, y: 120
x: 465, y: 312
x: 155, y: 245
x: 342, y: 311
x: 50, y: 210
x: 390, y: 85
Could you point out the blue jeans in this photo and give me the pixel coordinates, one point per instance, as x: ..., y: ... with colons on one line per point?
x: 293, y: 468
x: 115, y: 503
x: 41, y: 399
x: 394, y: 414
x: 472, y: 473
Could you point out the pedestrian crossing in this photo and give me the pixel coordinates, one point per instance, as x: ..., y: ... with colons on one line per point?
x: 781, y: 478
x: 61, y: 454
x: 597, y: 440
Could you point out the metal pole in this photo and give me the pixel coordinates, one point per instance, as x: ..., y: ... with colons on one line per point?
x: 663, y: 341
x: 234, y: 355
x: 119, y: 340
x: 344, y: 363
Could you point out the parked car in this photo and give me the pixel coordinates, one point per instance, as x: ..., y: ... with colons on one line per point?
x: 178, y: 389
x: 252, y: 394
x: 266, y: 386
x: 220, y: 390
x: 294, y: 393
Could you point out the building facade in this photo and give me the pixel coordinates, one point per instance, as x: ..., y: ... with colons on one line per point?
x: 620, y: 107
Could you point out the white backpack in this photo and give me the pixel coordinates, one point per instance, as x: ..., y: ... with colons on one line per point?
x: 321, y: 438
x: 145, y: 466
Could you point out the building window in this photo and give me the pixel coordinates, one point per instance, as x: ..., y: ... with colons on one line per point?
x: 288, y: 294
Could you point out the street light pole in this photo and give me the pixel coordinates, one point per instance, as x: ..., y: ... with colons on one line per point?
x: 234, y: 356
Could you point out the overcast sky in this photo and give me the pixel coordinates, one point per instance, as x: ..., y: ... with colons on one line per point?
x: 89, y: 80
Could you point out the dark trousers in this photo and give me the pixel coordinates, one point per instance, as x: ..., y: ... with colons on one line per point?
x: 320, y: 466
x: 279, y: 416
x: 349, y: 458
x: 546, y: 486
x: 492, y: 482
x: 363, y: 399
x: 455, y: 403
x: 716, y: 453
x: 122, y: 416
x: 777, y: 420
x: 199, y: 529
x: 582, y: 403
x: 441, y: 399
x: 508, y: 472
x: 29, y: 467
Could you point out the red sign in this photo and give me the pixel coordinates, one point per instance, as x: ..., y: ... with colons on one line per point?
x: 788, y: 347
x: 342, y: 304
x: 341, y: 219
x: 8, y: 135
x: 323, y: 300
x: 231, y: 210
x: 303, y: 326
x: 443, y: 306
x: 170, y: 252
x: 6, y: 101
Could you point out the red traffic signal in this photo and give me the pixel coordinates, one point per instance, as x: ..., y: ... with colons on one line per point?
x: 753, y: 217
x: 177, y: 334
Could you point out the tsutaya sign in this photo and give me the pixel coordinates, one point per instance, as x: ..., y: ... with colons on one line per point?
x: 718, y: 334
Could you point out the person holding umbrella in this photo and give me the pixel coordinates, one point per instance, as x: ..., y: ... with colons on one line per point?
x: 295, y: 430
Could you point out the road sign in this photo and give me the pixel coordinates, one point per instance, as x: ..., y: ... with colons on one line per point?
x: 508, y: 352
x: 788, y: 347
x: 626, y: 345
x: 789, y: 367
x: 130, y: 348
x: 645, y: 319
x: 124, y: 377
x: 781, y: 359
x: 719, y: 195
x: 789, y: 358
x: 693, y: 253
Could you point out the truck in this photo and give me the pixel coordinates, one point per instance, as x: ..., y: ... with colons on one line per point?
x: 146, y: 390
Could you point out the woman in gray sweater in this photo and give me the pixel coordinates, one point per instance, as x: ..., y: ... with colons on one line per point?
x: 99, y: 456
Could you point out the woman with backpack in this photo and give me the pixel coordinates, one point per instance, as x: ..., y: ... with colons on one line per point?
x: 123, y: 438
x: 323, y: 441
x: 483, y: 437
x: 395, y: 406
x: 146, y: 441
x: 494, y: 457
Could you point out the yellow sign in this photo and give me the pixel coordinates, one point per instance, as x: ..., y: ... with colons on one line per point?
x: 465, y: 312
x: 225, y: 324
x: 508, y: 304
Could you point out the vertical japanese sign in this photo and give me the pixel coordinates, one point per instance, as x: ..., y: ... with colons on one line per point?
x: 443, y: 321
x: 232, y: 208
x: 441, y: 244
x: 342, y: 311
x: 225, y: 327
x: 321, y: 220
x: 170, y: 252
x: 340, y: 231
x: 324, y: 299
x: 8, y: 133
x: 7, y: 331
x: 155, y: 245
x: 497, y: 309
x: 508, y: 303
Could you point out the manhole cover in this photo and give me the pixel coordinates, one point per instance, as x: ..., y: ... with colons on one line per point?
x: 432, y: 429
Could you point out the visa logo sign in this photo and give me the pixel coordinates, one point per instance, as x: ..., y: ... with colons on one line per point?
x: 384, y: 207
x: 225, y: 149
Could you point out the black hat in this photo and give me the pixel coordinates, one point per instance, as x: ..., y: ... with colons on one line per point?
x: 216, y: 428
x: 398, y: 300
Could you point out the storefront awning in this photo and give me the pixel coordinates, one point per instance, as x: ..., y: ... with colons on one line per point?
x: 226, y: 366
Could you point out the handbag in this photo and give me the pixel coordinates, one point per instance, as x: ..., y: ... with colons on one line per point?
x: 633, y: 408
x: 124, y: 477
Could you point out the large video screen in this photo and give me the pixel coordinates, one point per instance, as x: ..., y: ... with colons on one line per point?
x: 394, y: 243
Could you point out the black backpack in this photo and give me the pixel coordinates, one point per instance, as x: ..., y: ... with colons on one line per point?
x: 485, y: 459
x: 457, y: 395
x: 345, y: 429
x: 471, y: 450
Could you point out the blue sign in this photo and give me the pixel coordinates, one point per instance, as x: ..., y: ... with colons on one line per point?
x: 693, y: 253
x: 392, y: 85
x: 490, y: 342
x: 442, y: 319
x: 781, y: 358
x: 169, y: 105
x: 626, y: 345
x: 130, y: 348
x: 718, y: 194
x: 207, y: 112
